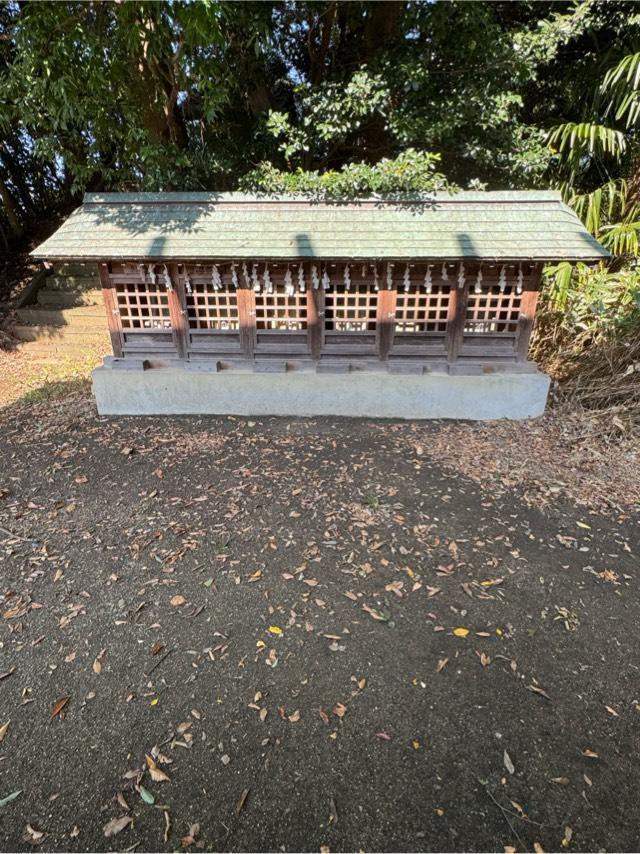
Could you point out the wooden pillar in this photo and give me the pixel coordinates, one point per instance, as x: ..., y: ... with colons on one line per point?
x: 176, y: 299
x: 111, y: 307
x: 315, y: 319
x: 385, y: 320
x: 247, y: 320
x: 456, y: 315
x: 528, y: 302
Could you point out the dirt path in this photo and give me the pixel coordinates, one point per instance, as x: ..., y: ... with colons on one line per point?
x: 321, y: 636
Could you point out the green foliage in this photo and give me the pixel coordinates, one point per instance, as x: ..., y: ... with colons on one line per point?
x: 410, y: 172
x: 594, y: 300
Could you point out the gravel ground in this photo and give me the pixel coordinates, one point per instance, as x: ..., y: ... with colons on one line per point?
x: 280, y: 635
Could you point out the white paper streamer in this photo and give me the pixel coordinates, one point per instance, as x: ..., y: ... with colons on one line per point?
x: 443, y: 273
x: 289, y: 289
x: 314, y: 277
x: 502, y: 279
x: 478, y: 287
x: 406, y: 278
x: 428, y: 280
x: 301, y: 283
x: 461, y: 277
x: 254, y: 278
x: 347, y: 277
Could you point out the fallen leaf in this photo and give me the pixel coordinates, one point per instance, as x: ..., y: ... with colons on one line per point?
x: 242, y: 800
x: 176, y: 601
x: 538, y: 690
x: 9, y: 798
x: 461, y: 632
x: 590, y: 753
x: 157, y: 774
x: 3, y: 730
x: 508, y: 764
x: 146, y: 795
x: 275, y: 630
x: 190, y: 838
x: 295, y: 717
x: 608, y: 708
x: 59, y: 706
x: 384, y: 736
x: 114, y: 826
x: 340, y: 710
x: 442, y: 663
x: 33, y: 836
x: 562, y: 781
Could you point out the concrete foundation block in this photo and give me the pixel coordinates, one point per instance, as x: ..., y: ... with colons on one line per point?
x: 176, y: 391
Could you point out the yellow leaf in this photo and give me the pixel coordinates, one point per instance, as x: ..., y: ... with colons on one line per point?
x: 275, y: 630
x: 156, y: 773
x: 583, y: 525
x: 460, y: 632
x: 154, y: 702
x: 260, y: 644
x: 416, y: 744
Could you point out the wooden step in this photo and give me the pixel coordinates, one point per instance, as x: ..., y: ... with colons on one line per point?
x: 83, y: 317
x: 70, y: 298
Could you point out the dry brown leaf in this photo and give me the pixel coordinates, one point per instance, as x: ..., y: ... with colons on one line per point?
x: 190, y: 838
x: 178, y: 600
x: 157, y: 774
x: 442, y: 663
x: 562, y: 781
x: 295, y: 717
x: 114, y: 826
x: 33, y: 836
x: 3, y: 730
x: 59, y: 706
x: 340, y: 710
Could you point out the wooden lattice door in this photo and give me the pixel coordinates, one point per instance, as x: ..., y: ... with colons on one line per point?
x: 141, y: 300
x: 350, y: 319
x: 421, y: 316
x: 492, y: 317
x: 281, y: 320
x: 213, y: 314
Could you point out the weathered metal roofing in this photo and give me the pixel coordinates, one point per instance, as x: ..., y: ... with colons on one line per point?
x: 195, y: 226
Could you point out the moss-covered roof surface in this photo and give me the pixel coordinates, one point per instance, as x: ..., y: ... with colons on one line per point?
x: 183, y: 226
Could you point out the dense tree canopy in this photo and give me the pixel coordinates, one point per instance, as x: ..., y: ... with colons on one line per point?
x: 345, y: 97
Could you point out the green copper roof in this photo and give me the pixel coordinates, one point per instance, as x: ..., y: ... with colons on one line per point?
x: 194, y: 226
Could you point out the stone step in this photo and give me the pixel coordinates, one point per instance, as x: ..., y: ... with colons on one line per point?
x: 56, y: 333
x: 76, y: 283
x: 83, y: 317
x: 75, y: 268
x: 70, y: 298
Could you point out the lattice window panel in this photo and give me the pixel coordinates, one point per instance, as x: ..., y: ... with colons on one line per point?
x: 210, y: 309
x: 421, y: 312
x: 493, y: 311
x: 352, y: 310
x: 143, y: 305
x: 280, y: 311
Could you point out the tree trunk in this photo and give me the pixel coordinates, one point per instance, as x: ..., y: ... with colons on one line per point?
x: 10, y: 210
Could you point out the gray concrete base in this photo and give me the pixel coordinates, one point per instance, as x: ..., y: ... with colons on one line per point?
x: 175, y: 391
